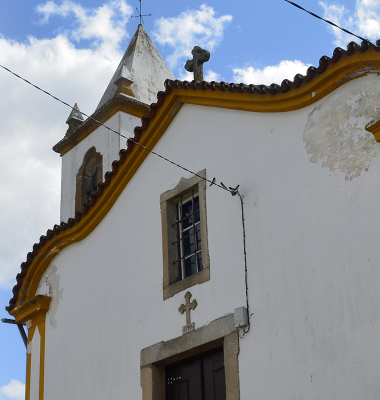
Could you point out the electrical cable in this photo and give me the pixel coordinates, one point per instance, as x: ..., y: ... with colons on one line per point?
x: 245, y: 263
x: 233, y: 191
x: 118, y: 133
x: 331, y: 23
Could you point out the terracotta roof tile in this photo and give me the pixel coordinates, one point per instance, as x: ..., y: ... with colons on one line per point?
x: 272, y: 89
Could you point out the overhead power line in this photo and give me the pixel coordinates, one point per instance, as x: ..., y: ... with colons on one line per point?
x: 331, y: 23
x: 233, y: 191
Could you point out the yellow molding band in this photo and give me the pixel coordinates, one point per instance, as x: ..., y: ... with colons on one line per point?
x: 335, y: 75
x: 296, y: 98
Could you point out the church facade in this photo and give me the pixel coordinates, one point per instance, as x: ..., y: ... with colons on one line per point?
x: 246, y: 270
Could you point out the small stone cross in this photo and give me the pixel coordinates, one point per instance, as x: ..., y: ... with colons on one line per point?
x: 187, y: 307
x: 195, y: 65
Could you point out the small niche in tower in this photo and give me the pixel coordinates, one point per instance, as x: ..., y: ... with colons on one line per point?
x: 89, y: 175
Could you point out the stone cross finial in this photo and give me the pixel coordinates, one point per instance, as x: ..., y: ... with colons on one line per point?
x: 74, y: 120
x: 187, y: 307
x: 141, y: 15
x: 195, y: 65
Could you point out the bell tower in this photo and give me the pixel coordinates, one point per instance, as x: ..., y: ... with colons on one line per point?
x: 88, y: 149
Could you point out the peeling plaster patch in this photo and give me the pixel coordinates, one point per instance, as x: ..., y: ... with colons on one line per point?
x: 175, y: 109
x: 360, y: 72
x: 29, y: 348
x: 52, y: 281
x: 334, y: 132
x: 24, y: 290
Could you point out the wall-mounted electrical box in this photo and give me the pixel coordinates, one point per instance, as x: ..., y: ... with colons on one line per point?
x: 241, y: 317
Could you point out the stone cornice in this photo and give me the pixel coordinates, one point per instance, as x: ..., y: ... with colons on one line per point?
x: 32, y: 310
x: 118, y: 103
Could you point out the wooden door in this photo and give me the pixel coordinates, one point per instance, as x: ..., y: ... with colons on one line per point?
x: 214, y: 382
x: 199, y: 379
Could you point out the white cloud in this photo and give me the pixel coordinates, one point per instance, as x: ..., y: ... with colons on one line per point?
x: 271, y: 74
x: 105, y: 23
x: 32, y: 123
x: 14, y: 390
x: 212, y: 76
x: 185, y: 75
x: 200, y: 27
x: 208, y: 76
x: 364, y: 21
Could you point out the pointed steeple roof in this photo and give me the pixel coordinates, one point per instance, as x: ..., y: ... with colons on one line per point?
x: 147, y: 70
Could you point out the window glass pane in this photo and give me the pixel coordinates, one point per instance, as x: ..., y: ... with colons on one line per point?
x: 190, y: 266
x: 189, y: 232
x: 187, y: 219
x: 188, y: 243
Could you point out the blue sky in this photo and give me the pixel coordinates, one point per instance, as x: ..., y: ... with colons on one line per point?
x: 66, y: 46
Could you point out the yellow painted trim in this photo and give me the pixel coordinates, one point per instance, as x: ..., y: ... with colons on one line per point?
x: 335, y: 75
x: 31, y: 331
x: 34, y: 311
x: 28, y: 372
x: 308, y: 93
x: 90, y: 126
x: 296, y: 98
x: 41, y: 328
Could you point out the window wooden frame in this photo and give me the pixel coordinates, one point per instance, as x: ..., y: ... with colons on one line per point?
x: 169, y: 200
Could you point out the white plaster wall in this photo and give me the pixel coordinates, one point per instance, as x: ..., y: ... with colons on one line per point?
x: 127, y: 127
x: 34, y: 349
x: 107, y: 143
x: 312, y: 253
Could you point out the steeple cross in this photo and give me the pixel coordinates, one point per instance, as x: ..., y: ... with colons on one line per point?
x: 140, y: 15
x: 200, y: 56
x: 187, y: 307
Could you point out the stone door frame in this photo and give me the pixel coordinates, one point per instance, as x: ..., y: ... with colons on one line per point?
x: 220, y: 332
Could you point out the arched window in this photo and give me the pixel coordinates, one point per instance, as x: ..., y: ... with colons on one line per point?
x: 89, y: 175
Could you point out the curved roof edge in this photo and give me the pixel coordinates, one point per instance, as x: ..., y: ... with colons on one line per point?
x: 357, y: 58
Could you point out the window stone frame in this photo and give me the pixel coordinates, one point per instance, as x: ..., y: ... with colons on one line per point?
x: 220, y: 332
x: 169, y: 202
